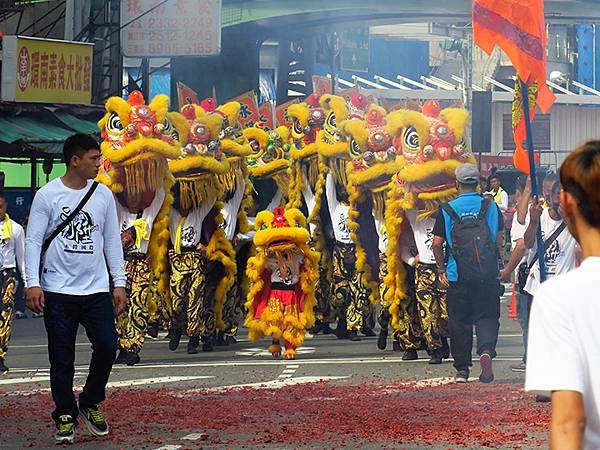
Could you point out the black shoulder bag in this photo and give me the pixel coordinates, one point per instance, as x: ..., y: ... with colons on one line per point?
x: 69, y: 218
x: 525, y: 268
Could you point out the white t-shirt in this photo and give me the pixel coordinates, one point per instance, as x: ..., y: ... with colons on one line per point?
x: 339, y: 213
x: 562, y: 350
x: 231, y: 209
x: 192, y: 225
x: 381, y: 234
x: 290, y: 262
x: 127, y: 218
x: 309, y: 199
x: 76, y: 261
x: 517, y: 231
x: 12, y: 251
x: 423, y: 236
x: 559, y: 258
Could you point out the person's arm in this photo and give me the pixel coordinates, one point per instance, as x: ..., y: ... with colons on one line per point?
x: 113, y: 253
x: 20, y: 252
x: 515, y: 258
x: 503, y: 205
x: 307, y: 193
x: 535, y: 212
x: 500, y: 235
x: 439, y: 237
x: 523, y: 204
x: 34, y: 238
x: 568, y: 421
x: 332, y: 201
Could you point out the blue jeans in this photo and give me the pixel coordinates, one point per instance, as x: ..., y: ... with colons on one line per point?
x: 62, y: 316
x: 523, y: 310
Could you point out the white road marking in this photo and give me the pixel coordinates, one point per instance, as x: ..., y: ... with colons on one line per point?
x: 259, y: 351
x: 113, y: 384
x: 194, y: 436
x: 285, y: 375
x: 24, y: 380
x: 148, y: 341
x: 338, y: 361
x: 273, y: 384
x: 169, y: 447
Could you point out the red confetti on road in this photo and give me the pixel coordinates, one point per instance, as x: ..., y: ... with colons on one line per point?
x: 472, y: 415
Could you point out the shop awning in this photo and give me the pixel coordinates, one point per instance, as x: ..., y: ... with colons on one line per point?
x: 40, y: 132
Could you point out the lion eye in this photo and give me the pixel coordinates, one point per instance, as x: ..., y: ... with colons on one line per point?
x: 114, y: 124
x: 411, y: 139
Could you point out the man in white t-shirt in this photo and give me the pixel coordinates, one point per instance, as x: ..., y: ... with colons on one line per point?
x: 561, y: 255
x: 519, y: 255
x: 70, y: 282
x: 563, y: 356
x: 12, y: 253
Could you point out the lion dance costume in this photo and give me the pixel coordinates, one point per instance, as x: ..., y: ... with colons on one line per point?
x: 432, y: 144
x: 306, y: 191
x: 198, y: 241
x: 283, y: 276
x: 351, y: 293
x: 237, y: 198
x: 137, y: 142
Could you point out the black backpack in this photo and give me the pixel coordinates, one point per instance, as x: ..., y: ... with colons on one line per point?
x: 473, y: 248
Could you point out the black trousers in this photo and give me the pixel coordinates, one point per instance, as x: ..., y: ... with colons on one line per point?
x: 62, y: 316
x: 473, y: 304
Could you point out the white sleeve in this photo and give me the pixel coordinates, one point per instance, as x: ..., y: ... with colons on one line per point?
x: 332, y: 201
x: 503, y: 201
x: 113, y: 249
x: 20, y: 251
x: 275, y: 201
x: 232, y: 207
x: 37, y: 225
x: 307, y: 193
x: 408, y: 247
x: 151, y: 212
x: 553, y: 361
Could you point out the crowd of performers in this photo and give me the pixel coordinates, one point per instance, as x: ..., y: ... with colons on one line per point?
x: 283, y: 230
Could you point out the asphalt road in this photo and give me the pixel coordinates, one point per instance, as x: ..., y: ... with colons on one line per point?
x: 336, y: 394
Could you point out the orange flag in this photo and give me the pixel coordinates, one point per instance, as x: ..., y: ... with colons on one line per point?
x: 518, y: 28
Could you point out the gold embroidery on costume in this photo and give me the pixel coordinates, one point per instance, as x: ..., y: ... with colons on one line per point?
x: 7, y: 308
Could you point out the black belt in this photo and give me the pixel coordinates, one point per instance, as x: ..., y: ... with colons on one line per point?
x: 282, y: 286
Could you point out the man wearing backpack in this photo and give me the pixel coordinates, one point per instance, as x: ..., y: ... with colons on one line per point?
x: 471, y: 227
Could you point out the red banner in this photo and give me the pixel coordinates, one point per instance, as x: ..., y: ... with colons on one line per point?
x: 248, y: 109
x: 186, y: 95
x: 321, y: 85
x: 265, y: 112
x: 281, y: 113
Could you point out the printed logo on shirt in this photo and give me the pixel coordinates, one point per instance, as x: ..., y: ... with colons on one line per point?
x: 78, y: 233
x: 552, y: 257
x: 343, y: 224
x: 429, y: 238
x: 3, y: 243
x: 188, y: 235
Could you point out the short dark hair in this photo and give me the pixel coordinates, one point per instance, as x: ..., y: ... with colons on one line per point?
x: 494, y: 176
x: 78, y: 145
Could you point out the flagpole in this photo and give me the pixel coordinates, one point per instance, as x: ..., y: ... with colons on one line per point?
x: 534, y: 190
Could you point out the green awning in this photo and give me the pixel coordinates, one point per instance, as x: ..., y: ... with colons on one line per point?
x: 39, y: 134
x: 77, y: 124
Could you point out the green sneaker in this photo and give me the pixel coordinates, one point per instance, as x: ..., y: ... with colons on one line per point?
x: 94, y: 420
x: 65, y: 430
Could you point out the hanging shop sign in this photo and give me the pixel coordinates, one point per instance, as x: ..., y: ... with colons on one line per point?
x: 160, y: 28
x: 46, y: 70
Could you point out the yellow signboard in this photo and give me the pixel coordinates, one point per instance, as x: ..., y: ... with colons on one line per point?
x: 47, y: 71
